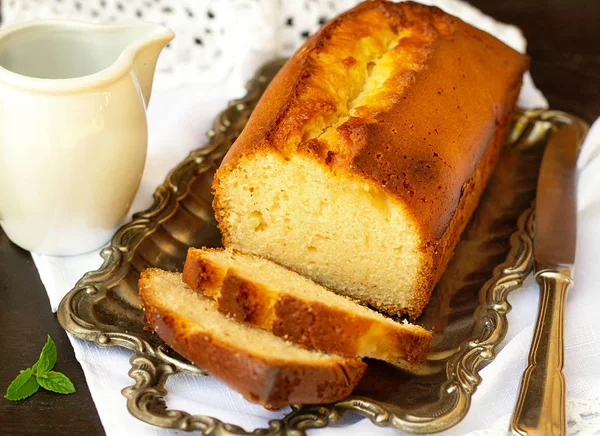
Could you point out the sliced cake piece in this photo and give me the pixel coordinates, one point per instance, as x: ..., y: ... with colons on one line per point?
x: 262, y: 367
x: 255, y: 290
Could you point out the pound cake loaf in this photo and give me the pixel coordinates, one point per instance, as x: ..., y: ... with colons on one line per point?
x: 257, y: 291
x: 365, y: 158
x: 263, y: 368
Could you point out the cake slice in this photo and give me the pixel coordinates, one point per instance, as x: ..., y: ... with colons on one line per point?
x: 262, y: 367
x: 259, y: 292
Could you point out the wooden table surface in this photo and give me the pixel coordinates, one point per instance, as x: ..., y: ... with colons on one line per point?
x: 564, y: 44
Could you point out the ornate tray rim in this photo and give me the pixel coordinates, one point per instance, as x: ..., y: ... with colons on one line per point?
x: 152, y: 365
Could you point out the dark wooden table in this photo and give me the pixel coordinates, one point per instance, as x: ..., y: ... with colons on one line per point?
x: 564, y: 38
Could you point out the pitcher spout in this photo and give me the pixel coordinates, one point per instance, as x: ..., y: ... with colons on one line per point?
x: 79, y: 56
x: 146, y: 42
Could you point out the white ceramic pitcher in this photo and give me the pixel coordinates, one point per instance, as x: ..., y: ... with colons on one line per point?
x: 73, y: 130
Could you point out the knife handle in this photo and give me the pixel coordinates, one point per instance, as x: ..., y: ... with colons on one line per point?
x: 540, y: 407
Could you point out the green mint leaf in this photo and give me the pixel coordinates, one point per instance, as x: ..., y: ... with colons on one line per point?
x: 41, y: 367
x: 56, y: 382
x: 49, y: 353
x: 23, y: 386
x: 29, y: 380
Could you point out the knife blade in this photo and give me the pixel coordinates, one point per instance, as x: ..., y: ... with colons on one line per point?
x: 540, y: 408
x: 556, y: 202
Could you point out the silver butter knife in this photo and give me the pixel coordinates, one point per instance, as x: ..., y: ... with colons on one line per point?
x: 540, y: 408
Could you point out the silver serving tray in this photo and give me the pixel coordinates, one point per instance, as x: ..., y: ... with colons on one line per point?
x: 467, y: 310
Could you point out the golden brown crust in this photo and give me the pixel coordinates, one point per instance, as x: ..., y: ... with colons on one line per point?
x: 241, y: 300
x: 317, y: 326
x: 433, y: 130
x: 454, y: 96
x: 441, y: 252
x: 269, y: 382
x: 311, y: 324
x: 195, y: 273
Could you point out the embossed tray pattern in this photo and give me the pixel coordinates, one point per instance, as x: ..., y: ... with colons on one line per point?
x: 467, y: 310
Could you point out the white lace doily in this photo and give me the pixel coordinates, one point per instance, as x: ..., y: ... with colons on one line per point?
x: 214, y: 37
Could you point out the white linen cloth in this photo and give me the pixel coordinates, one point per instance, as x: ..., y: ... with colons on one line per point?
x: 178, y: 120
